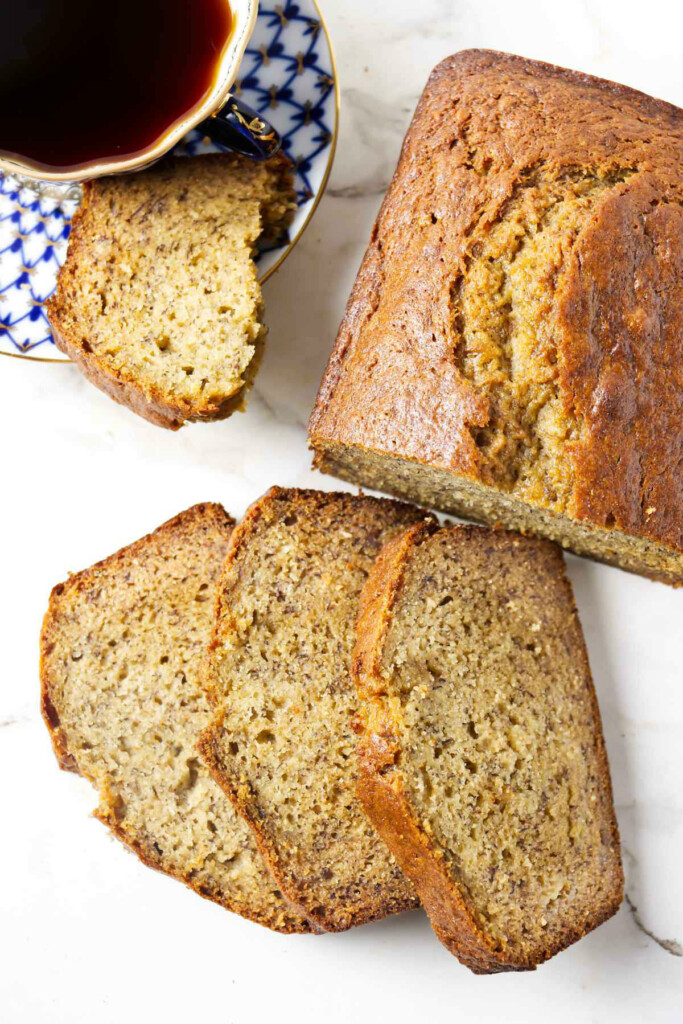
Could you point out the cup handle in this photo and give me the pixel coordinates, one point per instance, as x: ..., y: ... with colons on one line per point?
x: 243, y: 130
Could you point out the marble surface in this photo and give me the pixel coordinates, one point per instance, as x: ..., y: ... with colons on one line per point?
x: 89, y: 935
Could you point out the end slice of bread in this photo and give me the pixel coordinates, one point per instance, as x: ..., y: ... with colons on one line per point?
x: 282, y: 744
x: 482, y: 761
x: 158, y: 302
x: 121, y: 650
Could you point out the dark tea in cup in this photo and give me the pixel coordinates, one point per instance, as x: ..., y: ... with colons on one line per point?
x: 87, y: 81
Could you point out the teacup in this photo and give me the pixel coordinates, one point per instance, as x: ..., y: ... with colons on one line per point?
x: 220, y: 115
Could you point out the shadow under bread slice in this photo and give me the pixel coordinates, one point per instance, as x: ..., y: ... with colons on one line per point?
x: 158, y: 302
x: 482, y: 760
x: 121, y: 647
x: 282, y: 743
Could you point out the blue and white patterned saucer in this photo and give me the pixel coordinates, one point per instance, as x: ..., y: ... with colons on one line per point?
x: 287, y: 73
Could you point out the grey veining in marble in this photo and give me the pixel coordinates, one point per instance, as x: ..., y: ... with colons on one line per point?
x: 87, y: 935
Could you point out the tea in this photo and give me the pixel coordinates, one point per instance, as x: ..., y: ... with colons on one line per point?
x: 86, y: 81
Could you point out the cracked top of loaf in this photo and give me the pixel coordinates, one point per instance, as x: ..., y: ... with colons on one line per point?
x: 518, y: 316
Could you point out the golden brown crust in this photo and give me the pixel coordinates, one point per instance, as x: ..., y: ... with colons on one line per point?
x: 149, y: 401
x: 206, y: 515
x: 381, y: 790
x: 393, y: 385
x: 376, y: 906
x: 379, y: 786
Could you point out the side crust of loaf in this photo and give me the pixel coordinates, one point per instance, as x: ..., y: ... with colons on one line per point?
x: 383, y: 794
x: 390, y: 892
x: 515, y: 323
x: 279, y: 915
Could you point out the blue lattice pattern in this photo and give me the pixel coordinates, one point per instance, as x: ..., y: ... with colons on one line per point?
x: 33, y: 236
x: 286, y: 74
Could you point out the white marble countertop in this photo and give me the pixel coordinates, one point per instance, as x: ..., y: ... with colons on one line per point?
x: 89, y: 935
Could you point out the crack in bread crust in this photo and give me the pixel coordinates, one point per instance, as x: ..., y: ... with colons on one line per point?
x: 516, y: 322
x: 505, y: 333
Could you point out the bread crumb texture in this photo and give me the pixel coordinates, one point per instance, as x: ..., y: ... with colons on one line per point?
x: 283, y: 742
x: 158, y: 301
x: 512, y: 347
x: 476, y: 690
x: 121, y: 648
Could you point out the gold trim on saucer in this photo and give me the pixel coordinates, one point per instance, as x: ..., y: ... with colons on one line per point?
x: 330, y: 159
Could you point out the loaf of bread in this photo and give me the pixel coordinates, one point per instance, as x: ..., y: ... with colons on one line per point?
x: 158, y: 302
x: 512, y: 349
x: 121, y: 651
x: 282, y: 744
x: 482, y: 761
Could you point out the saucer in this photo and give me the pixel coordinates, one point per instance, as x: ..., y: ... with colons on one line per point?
x: 287, y: 73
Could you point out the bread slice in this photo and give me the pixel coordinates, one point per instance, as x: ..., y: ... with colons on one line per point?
x: 282, y: 744
x: 121, y: 648
x: 482, y: 759
x: 158, y: 302
x: 511, y: 351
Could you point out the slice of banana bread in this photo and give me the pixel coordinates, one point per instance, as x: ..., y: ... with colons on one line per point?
x: 282, y: 744
x: 121, y: 647
x: 158, y: 302
x: 511, y: 351
x: 482, y: 761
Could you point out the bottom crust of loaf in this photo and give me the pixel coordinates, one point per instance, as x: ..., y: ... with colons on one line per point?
x: 433, y: 487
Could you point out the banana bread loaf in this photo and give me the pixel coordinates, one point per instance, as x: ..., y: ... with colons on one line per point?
x: 158, y: 302
x: 282, y: 744
x: 121, y: 651
x: 482, y: 762
x: 513, y: 348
